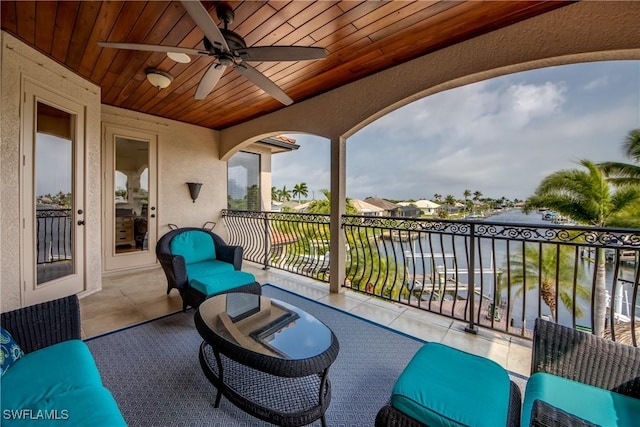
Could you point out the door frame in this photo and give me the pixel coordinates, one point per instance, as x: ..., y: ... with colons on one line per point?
x: 128, y: 260
x: 74, y: 283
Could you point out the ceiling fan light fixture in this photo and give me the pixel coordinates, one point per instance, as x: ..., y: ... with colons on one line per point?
x: 182, y: 58
x: 157, y: 78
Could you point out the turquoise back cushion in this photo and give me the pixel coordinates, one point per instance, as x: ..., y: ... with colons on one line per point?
x: 442, y: 386
x: 597, y: 405
x: 194, y: 246
x: 10, y: 351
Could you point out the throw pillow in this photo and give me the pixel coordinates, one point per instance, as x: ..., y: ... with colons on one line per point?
x: 10, y: 351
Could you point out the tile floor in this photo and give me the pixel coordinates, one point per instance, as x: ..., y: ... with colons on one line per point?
x: 134, y: 297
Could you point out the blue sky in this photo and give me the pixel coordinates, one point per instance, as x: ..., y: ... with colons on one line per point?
x: 499, y: 137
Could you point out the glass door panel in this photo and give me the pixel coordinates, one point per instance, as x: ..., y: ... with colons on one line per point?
x: 54, y: 193
x: 131, y: 195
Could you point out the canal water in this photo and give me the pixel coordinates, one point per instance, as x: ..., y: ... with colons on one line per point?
x: 434, y: 256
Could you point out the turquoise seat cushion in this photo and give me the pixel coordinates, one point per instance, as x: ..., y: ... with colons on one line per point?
x: 10, y: 351
x: 597, y: 405
x: 223, y: 282
x: 83, y: 406
x: 442, y: 386
x: 208, y: 268
x: 48, y: 372
x: 194, y: 246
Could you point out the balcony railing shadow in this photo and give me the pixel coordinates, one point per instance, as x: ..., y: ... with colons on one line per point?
x: 518, y: 272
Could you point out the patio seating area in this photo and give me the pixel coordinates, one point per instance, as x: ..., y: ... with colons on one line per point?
x: 132, y: 298
x: 585, y: 367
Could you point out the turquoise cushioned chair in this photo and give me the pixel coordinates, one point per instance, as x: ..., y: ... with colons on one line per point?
x: 580, y: 379
x: 200, y: 264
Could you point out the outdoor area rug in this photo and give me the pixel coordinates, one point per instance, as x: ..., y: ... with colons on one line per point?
x: 154, y: 374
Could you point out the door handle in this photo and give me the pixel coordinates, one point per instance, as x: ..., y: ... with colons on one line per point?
x: 81, y: 222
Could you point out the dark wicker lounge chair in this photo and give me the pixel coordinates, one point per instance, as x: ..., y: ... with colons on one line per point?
x: 582, y: 357
x: 176, y: 268
x: 45, y: 324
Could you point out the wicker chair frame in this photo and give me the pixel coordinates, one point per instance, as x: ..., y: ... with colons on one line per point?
x: 175, y: 267
x: 44, y: 324
x: 582, y: 357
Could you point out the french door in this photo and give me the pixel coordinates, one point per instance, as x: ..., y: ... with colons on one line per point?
x: 130, y: 197
x: 52, y: 187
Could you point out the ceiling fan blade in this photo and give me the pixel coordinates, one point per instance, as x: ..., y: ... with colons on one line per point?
x: 203, y: 20
x: 152, y: 48
x: 260, y: 80
x: 282, y: 53
x: 209, y: 80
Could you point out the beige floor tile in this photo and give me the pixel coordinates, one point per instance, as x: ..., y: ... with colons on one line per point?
x: 375, y: 313
x: 342, y: 301
x: 112, y: 321
x: 420, y: 314
x: 519, y: 359
x: 420, y: 328
x: 478, y: 345
x: 160, y: 306
x: 105, y: 301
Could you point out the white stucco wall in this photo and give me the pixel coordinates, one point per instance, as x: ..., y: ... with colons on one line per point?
x: 20, y: 61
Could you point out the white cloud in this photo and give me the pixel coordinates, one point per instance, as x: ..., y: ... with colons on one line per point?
x: 598, y: 83
x: 534, y: 101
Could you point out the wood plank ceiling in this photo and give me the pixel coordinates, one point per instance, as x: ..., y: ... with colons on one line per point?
x: 360, y: 38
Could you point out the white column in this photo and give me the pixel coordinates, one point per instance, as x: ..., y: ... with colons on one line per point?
x: 338, y: 208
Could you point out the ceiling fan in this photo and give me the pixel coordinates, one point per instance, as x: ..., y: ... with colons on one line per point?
x: 229, y: 50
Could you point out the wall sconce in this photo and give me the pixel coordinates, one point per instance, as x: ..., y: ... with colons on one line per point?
x: 194, y: 190
x: 158, y: 78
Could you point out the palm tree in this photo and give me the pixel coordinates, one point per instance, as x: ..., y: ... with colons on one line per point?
x: 586, y: 197
x: 625, y: 173
x: 285, y: 195
x: 437, y: 197
x: 450, y: 201
x: 552, y: 268
x: 466, y: 194
x: 300, y: 190
x: 275, y: 194
x: 324, y: 206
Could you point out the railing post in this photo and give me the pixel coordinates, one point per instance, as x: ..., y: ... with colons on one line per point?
x: 471, y: 286
x: 266, y: 241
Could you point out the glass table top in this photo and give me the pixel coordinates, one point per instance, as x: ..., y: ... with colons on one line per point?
x: 267, y: 326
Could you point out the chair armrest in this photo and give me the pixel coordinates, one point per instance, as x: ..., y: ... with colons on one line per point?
x: 230, y: 254
x: 44, y: 324
x: 175, y: 269
x: 584, y: 357
x: 545, y: 415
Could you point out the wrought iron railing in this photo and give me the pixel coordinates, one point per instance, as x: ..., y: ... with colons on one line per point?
x: 53, y: 228
x: 516, y: 272
x: 294, y: 242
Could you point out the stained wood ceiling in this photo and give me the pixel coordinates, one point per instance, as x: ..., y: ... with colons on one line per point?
x: 360, y: 38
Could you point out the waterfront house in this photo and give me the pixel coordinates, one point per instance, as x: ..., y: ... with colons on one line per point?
x: 136, y: 135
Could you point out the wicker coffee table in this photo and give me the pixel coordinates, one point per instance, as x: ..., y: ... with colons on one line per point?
x: 267, y: 357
